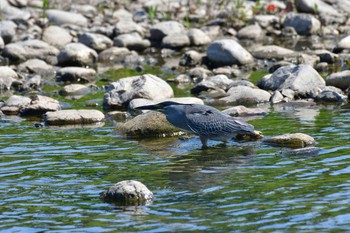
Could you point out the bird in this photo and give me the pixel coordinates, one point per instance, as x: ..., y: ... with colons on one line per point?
x: 205, y: 121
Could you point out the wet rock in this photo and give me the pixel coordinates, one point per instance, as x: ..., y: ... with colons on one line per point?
x: 25, y: 50
x: 243, y: 95
x: 302, y: 79
x: 295, y: 140
x: 326, y: 56
x: 35, y: 66
x: 132, y: 41
x: 304, y: 24
x: 272, y: 52
x: 147, y: 86
x: 95, y: 41
x: 7, y: 30
x: 14, y: 104
x: 128, y: 193
x: 166, y: 28
x: 339, y: 79
x: 69, y: 117
x: 74, y: 90
x: 228, y: 52
x: 76, y: 54
x: 7, y: 77
x: 115, y: 55
x: 59, y: 17
x: 244, y: 111
x: 127, y: 27
x: 175, y: 41
x: 277, y: 97
x: 198, y: 37
x: 251, y: 32
x: 190, y: 58
x: 76, y: 74
x: 149, y: 124
x: 40, y: 105
x: 57, y: 36
x: 330, y: 96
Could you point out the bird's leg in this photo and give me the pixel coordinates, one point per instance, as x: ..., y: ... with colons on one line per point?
x: 204, y: 141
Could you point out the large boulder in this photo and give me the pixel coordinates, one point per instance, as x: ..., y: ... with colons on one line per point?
x: 71, y: 117
x: 128, y: 193
x: 24, y: 50
x: 228, y: 52
x: 147, y: 86
x: 76, y: 54
x: 304, y: 24
x: 304, y: 80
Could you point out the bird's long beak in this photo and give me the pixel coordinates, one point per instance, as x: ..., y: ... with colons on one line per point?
x: 148, y: 107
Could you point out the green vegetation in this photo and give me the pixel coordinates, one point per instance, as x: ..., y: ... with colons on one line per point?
x: 152, y: 12
x: 45, y: 7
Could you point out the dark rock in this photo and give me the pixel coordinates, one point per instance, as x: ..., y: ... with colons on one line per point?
x: 304, y: 24
x: 339, y: 79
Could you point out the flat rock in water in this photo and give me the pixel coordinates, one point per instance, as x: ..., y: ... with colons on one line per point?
x: 129, y: 193
x: 339, y: 79
x: 76, y: 74
x: 74, y: 89
x: 244, y: 111
x: 56, y: 36
x: 71, y: 117
x: 147, y: 86
x: 25, y: 50
x: 76, y: 54
x: 272, y: 52
x: 59, y: 17
x: 295, y: 140
x: 40, y: 105
x: 228, y: 52
x: 148, y: 125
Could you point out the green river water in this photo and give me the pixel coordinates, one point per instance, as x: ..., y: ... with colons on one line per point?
x: 50, y: 178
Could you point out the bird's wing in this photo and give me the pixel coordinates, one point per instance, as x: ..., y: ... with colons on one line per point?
x: 238, y: 126
x: 205, y: 122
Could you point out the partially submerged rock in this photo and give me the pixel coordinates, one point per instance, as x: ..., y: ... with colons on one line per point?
x: 40, y: 105
x: 14, y: 104
x: 244, y: 111
x: 69, y: 117
x: 128, y: 193
x: 295, y: 140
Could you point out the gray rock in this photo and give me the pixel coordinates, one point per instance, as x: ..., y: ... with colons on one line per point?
x: 57, y: 36
x: 326, y: 56
x: 14, y: 104
x: 69, y: 117
x: 304, y: 24
x: 241, y: 110
x: 7, y: 77
x: 198, y: 37
x: 308, y: 59
x: 267, y: 20
x: 295, y: 140
x: 76, y: 54
x: 272, y: 52
x: 303, y: 79
x: 35, y: 66
x: 330, y: 96
x: 59, y: 17
x: 212, y: 83
x: 236, y: 83
x: 7, y: 30
x: 13, y: 13
x: 190, y: 58
x: 339, y: 79
x: 114, y: 55
x: 74, y: 90
x: 147, y: 86
x: 76, y: 74
x: 25, y: 50
x: 198, y: 74
x: 244, y: 95
x: 251, y: 32
x: 147, y: 125
x: 277, y: 97
x: 343, y: 43
x: 132, y: 41
x: 309, y: 6
x: 40, y: 105
x: 163, y: 29
x: 117, y: 115
x: 2, y: 44
x: 175, y: 41
x: 127, y: 27
x: 128, y: 193
x: 95, y: 41
x: 228, y: 52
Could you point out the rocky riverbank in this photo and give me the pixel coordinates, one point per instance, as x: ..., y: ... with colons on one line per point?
x: 50, y: 54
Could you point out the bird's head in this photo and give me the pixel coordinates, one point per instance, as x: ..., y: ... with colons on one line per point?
x: 160, y: 107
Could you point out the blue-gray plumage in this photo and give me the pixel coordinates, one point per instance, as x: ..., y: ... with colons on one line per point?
x: 203, y: 120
